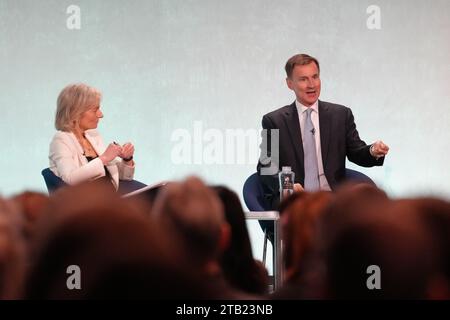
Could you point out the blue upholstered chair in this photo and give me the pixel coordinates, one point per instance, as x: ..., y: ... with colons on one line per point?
x: 54, y: 182
x: 254, y: 194
x: 254, y: 198
x: 356, y: 176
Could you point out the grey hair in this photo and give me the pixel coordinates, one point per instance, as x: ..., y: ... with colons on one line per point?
x: 73, y: 101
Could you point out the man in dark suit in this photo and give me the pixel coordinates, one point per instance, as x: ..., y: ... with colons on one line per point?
x: 314, y: 137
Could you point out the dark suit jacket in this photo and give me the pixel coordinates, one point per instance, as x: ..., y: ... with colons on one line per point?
x: 338, y: 137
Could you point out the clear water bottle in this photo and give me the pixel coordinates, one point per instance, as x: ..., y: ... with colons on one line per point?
x: 287, y: 177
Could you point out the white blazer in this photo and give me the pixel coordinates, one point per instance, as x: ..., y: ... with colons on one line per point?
x: 68, y: 162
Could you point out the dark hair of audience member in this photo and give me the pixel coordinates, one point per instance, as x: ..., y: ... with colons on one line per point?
x: 239, y: 267
x: 435, y: 215
x: 196, y: 214
x: 120, y: 252
x: 290, y: 200
x: 350, y: 203
x: 377, y: 234
x: 300, y: 231
x: 192, y: 215
x: 32, y: 205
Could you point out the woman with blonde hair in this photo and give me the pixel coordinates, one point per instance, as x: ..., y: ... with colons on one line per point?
x: 77, y: 152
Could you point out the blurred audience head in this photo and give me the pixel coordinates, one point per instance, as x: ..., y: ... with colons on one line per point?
x: 195, y: 214
x: 352, y: 201
x: 434, y: 215
x: 118, y: 251
x: 12, y: 250
x: 32, y: 205
x: 370, y: 241
x: 300, y: 230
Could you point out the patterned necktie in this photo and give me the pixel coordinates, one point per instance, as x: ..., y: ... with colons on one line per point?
x: 309, y: 148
